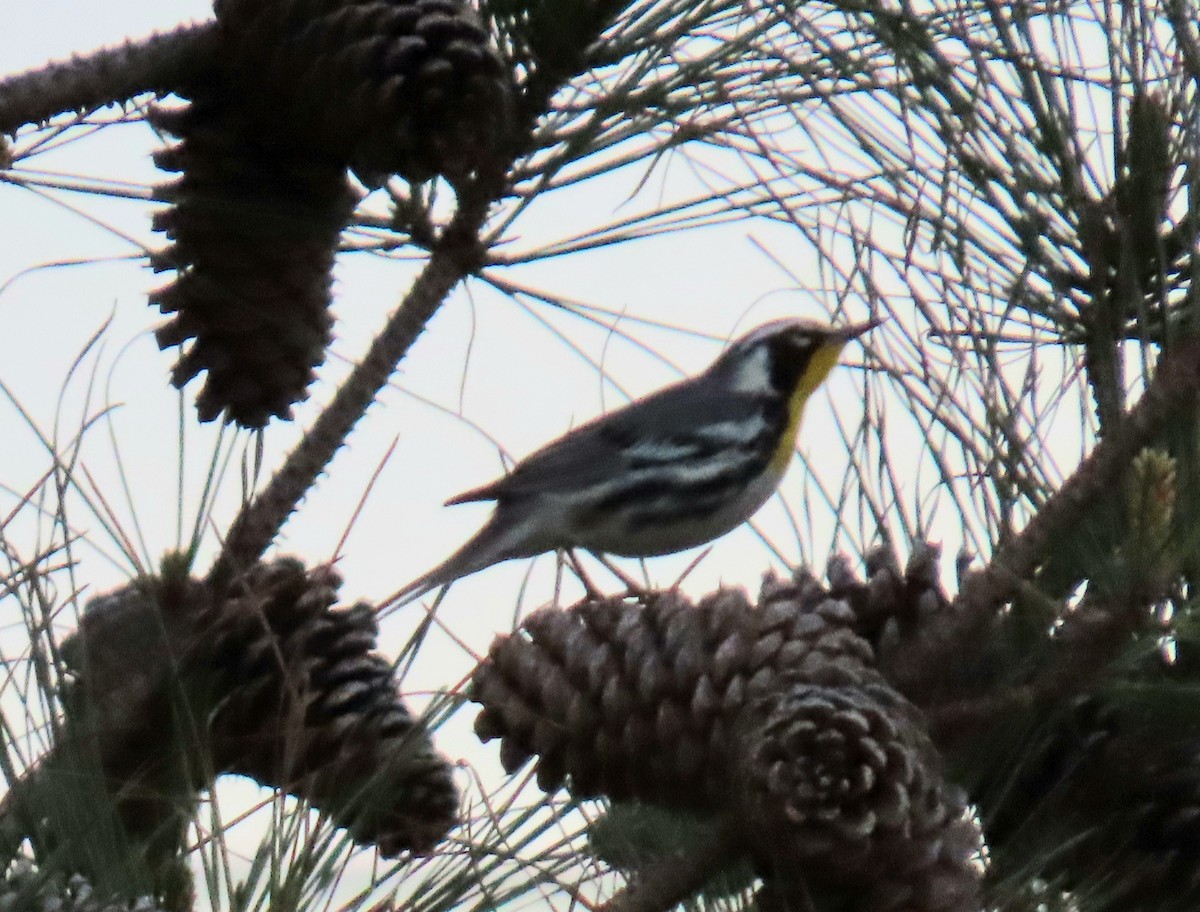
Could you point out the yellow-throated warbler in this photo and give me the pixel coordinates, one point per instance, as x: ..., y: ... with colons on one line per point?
x: 668, y: 472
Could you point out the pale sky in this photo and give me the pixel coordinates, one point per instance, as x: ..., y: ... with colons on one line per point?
x: 521, y: 385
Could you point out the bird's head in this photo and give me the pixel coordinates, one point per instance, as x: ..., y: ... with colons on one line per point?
x: 788, y: 356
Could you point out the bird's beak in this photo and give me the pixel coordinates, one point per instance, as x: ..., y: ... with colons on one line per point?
x: 854, y: 330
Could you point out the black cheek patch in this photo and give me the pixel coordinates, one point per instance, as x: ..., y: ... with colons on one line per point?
x: 789, y: 359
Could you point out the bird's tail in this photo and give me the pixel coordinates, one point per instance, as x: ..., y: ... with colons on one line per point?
x: 497, y: 541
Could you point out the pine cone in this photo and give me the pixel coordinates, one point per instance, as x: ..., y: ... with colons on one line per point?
x: 897, y: 609
x: 389, y: 86
x: 635, y: 701
x: 891, y: 602
x: 289, y: 694
x: 120, y: 771
x: 556, y: 39
x: 297, y: 92
x: 772, y: 714
x: 1142, y: 191
x: 309, y: 708
x: 122, y: 732
x: 842, y: 785
x: 255, y: 224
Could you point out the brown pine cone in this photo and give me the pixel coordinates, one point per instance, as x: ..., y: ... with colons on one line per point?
x: 288, y: 690
x: 255, y: 225
x: 122, y: 724
x: 554, y: 40
x: 296, y: 93
x: 898, y: 609
x: 308, y: 707
x: 1142, y: 190
x: 892, y: 601
x: 636, y: 701
x: 771, y: 715
x: 842, y: 785
x: 411, y: 87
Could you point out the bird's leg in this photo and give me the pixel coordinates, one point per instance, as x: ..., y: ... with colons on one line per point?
x: 632, y: 587
x: 589, y: 588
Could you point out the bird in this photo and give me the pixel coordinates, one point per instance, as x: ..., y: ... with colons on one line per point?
x: 671, y: 471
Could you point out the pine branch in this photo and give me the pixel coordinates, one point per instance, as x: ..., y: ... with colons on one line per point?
x: 457, y: 255
x: 1175, y: 386
x: 160, y: 64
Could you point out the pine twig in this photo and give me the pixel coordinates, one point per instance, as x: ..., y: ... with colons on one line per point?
x: 1175, y: 386
x: 458, y: 254
x: 162, y: 64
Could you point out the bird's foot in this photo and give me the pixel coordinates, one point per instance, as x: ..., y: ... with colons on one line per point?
x: 633, y: 589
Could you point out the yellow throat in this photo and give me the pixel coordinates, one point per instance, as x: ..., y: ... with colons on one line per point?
x: 822, y: 362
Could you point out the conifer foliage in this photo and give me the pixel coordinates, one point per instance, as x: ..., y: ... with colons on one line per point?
x: 1013, y: 187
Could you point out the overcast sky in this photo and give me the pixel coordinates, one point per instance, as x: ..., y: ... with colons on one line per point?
x: 71, y: 261
x: 521, y: 384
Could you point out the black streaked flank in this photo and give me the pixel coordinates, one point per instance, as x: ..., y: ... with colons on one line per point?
x: 652, y: 492
x: 656, y: 489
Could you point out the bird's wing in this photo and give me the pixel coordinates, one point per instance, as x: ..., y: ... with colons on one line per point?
x: 659, y: 429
